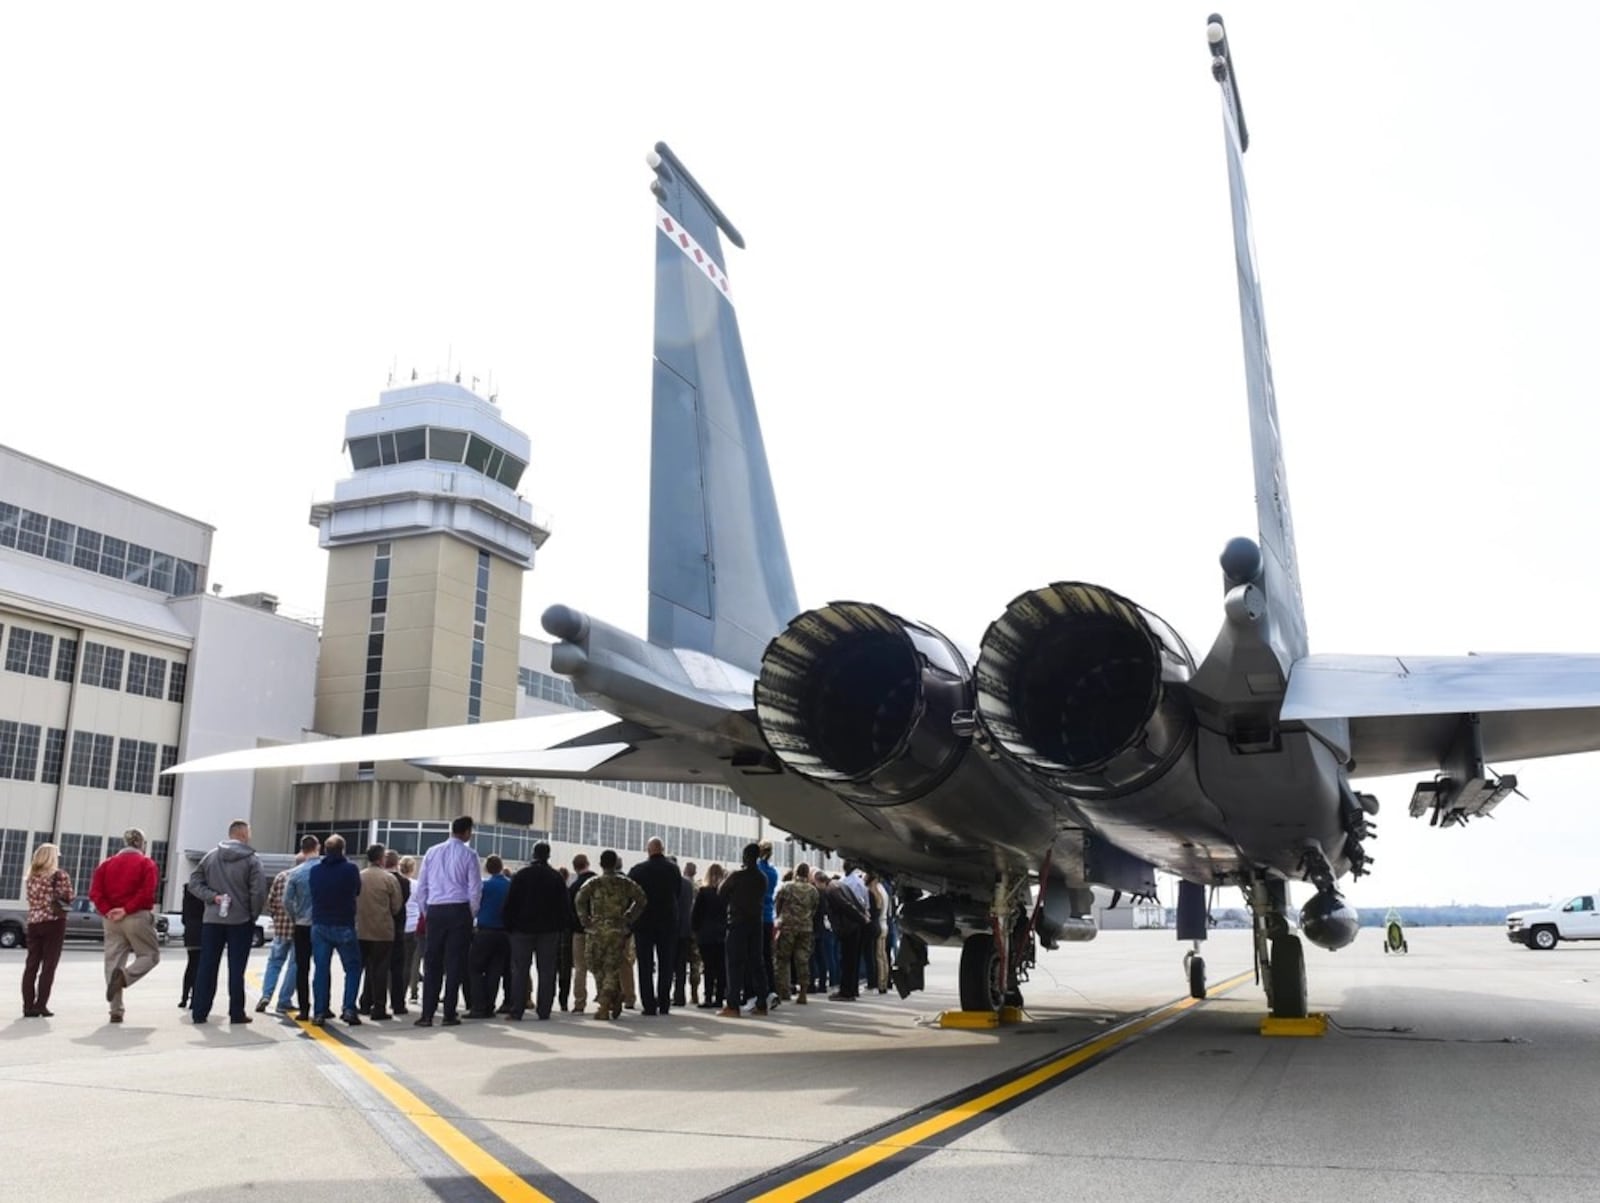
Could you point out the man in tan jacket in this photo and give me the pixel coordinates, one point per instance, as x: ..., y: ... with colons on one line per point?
x: 378, y: 903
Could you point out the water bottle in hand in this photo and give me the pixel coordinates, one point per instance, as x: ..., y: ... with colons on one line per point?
x: 222, y: 906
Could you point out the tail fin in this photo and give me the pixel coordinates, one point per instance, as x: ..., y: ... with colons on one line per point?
x: 1280, y: 569
x: 719, y: 571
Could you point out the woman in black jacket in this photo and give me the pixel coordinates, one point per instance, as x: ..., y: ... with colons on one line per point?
x: 194, y: 916
x: 710, y: 919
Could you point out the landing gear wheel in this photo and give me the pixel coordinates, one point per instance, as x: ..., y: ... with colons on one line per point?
x: 1288, y: 978
x: 1197, y: 977
x: 980, y: 976
x: 980, y: 969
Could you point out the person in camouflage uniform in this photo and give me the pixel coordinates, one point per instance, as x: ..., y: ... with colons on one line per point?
x: 796, y: 903
x: 607, y: 907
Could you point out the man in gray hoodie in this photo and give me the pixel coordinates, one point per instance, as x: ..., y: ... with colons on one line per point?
x: 230, y: 882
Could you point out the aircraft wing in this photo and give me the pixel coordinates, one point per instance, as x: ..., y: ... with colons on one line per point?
x: 1404, y: 713
x: 564, y: 739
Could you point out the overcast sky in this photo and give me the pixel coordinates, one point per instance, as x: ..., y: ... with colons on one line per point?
x: 988, y: 302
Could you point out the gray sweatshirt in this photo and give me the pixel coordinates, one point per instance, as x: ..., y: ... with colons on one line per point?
x: 233, y: 869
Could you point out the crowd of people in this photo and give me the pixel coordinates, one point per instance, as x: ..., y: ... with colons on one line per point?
x: 458, y: 938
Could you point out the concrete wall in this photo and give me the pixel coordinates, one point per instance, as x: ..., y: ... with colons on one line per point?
x: 251, y: 681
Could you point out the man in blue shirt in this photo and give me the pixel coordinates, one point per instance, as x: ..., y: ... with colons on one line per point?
x: 491, y: 948
x: 769, y: 915
x: 335, y: 885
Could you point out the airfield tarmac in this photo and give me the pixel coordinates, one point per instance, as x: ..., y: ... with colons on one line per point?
x: 1464, y: 1070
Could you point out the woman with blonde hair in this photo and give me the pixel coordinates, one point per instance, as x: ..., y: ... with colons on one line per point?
x: 48, y: 891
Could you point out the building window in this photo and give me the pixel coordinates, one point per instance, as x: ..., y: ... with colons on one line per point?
x: 32, y: 534
x: 10, y: 521
x: 147, y: 675
x: 55, y: 747
x: 161, y: 572
x: 156, y: 679
x: 14, y: 857
x: 102, y: 666
x: 178, y: 683
x: 91, y: 760
x: 550, y: 689
x: 167, y: 786
x: 113, y: 557
x: 86, y: 554
x: 480, y: 620
x: 79, y: 856
x: 58, y: 543
x: 29, y: 652
x: 19, y: 750
x: 158, y: 853
x: 67, y: 660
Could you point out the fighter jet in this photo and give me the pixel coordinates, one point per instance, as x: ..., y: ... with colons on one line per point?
x: 1081, y: 745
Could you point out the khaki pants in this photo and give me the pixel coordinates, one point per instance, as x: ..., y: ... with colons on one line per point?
x: 580, y: 971
x: 133, y: 935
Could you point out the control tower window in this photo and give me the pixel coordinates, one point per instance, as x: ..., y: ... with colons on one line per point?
x: 411, y: 444
x: 364, y: 453
x: 510, y: 471
x: 446, y: 445
x: 478, y: 452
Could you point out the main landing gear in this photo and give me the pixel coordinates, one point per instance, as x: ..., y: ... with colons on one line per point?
x: 994, y: 964
x: 1280, y: 957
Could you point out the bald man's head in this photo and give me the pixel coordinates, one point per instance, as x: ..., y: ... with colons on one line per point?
x: 655, y: 847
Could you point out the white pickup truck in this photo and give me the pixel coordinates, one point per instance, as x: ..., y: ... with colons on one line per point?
x: 1573, y: 919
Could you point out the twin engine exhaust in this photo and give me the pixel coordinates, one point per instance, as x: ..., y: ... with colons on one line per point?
x: 1074, y: 685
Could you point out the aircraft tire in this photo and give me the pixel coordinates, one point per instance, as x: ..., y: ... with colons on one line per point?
x: 1197, y: 977
x: 1288, y: 972
x: 977, y: 973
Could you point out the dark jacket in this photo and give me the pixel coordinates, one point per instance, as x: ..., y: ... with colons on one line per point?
x: 659, y: 878
x: 710, y: 917
x: 405, y: 897
x: 194, y: 914
x: 745, y: 890
x: 335, y: 885
x: 538, y: 902
x: 578, y: 881
x: 685, y: 908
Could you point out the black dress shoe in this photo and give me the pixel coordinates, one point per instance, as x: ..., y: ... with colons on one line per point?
x: 30, y: 1014
x: 452, y: 1021
x: 351, y: 1019
x: 240, y: 1019
x: 424, y: 1022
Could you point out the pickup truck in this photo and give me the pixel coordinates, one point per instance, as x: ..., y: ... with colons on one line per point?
x: 83, y: 923
x: 1573, y: 919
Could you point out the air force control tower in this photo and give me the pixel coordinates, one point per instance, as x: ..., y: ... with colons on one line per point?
x: 427, y: 542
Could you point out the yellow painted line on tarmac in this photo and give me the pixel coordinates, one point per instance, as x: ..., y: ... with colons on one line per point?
x: 498, y: 1178
x: 868, y: 1156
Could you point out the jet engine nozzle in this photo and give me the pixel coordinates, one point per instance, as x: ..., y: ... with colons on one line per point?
x: 1077, y: 685
x: 864, y: 702
x: 1330, y: 922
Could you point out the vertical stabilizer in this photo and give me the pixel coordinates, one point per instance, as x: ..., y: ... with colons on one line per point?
x: 719, y: 571
x: 1280, y: 578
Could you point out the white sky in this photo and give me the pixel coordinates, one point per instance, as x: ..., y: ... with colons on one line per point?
x: 988, y: 305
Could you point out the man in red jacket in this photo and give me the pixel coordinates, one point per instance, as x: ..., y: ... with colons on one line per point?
x: 123, y: 890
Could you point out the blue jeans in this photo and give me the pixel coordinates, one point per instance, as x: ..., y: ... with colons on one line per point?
x: 214, y: 937
x: 325, y: 938
x: 280, y: 959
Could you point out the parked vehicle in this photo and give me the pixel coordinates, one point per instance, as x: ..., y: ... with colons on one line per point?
x: 171, y: 928
x: 83, y: 923
x: 1542, y: 929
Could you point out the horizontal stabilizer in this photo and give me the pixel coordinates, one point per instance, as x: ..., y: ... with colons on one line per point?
x: 1404, y: 713
x: 441, y: 744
